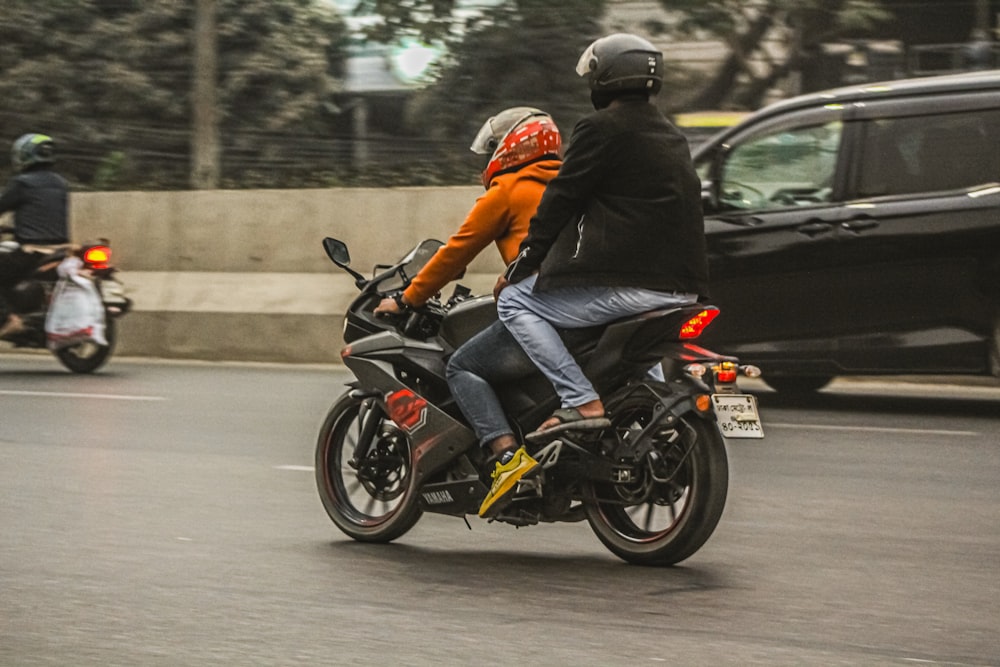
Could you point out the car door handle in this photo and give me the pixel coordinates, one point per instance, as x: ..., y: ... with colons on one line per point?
x: 859, y: 224
x: 812, y: 229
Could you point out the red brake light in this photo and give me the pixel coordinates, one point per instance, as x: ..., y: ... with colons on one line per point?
x: 726, y: 372
x: 97, y: 257
x: 694, y: 326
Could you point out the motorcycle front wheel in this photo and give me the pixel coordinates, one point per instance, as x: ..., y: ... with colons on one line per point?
x: 673, y: 506
x: 88, y: 357
x: 369, y: 497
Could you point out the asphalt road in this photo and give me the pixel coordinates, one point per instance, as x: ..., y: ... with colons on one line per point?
x: 166, y: 514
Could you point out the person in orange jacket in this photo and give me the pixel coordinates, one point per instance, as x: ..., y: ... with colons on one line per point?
x: 524, y: 144
x: 525, y: 150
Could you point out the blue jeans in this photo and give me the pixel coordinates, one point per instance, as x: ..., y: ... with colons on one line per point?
x: 489, y: 358
x: 532, y: 317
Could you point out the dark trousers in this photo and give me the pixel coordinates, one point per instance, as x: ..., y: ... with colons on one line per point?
x: 14, y: 267
x: 490, y: 357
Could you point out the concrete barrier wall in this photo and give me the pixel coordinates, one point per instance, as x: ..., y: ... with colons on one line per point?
x: 241, y: 274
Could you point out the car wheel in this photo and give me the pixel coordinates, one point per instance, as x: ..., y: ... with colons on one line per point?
x: 797, y: 384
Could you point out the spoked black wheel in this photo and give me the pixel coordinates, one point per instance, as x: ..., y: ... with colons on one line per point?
x: 370, y: 498
x: 88, y: 357
x: 675, y: 500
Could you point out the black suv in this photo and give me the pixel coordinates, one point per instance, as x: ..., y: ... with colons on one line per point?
x: 857, y: 231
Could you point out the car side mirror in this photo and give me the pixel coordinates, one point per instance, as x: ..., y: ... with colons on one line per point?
x: 708, y: 200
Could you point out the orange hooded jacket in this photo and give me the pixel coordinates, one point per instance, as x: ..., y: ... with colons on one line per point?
x: 501, y: 215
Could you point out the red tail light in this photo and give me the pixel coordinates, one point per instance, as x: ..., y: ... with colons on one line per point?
x: 97, y: 256
x: 726, y: 372
x: 694, y: 326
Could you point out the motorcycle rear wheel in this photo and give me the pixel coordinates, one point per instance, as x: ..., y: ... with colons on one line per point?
x: 678, y: 518
x: 88, y: 357
x: 371, y: 500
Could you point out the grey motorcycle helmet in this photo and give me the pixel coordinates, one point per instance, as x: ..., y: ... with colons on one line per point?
x: 493, y: 131
x: 31, y: 149
x: 621, y: 64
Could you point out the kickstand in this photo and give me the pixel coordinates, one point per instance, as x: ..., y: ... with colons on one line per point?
x: 466, y: 520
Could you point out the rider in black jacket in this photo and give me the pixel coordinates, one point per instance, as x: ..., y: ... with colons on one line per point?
x: 39, y: 197
x: 619, y: 231
x: 625, y: 209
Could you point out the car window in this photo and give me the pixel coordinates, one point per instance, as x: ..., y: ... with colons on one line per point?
x: 929, y: 153
x: 791, y: 166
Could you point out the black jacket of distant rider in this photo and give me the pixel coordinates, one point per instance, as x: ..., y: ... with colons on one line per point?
x: 624, y: 210
x: 39, y: 198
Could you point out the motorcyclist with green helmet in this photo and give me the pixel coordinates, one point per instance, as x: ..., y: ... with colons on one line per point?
x: 39, y: 200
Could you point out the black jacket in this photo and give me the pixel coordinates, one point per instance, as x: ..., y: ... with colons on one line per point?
x: 39, y: 199
x: 624, y: 210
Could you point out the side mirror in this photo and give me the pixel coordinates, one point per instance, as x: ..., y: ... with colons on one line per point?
x: 337, y: 251
x: 711, y: 186
x: 707, y: 199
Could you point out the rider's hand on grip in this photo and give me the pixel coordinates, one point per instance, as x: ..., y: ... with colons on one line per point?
x: 391, y: 305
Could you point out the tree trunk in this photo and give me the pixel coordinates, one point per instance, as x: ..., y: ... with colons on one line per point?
x: 205, y: 170
x: 719, y: 91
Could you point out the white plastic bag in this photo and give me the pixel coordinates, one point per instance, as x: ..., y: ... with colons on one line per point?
x: 76, y: 314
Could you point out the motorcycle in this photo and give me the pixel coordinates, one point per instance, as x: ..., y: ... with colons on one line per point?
x: 652, y: 485
x: 35, y: 292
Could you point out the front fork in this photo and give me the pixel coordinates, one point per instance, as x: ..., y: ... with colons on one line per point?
x: 370, y: 416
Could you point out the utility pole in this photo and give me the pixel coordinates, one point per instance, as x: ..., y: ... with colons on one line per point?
x: 205, y: 154
x: 983, y: 17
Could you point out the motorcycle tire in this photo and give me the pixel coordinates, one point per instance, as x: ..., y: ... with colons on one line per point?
x: 663, y: 522
x: 88, y: 357
x: 371, y: 500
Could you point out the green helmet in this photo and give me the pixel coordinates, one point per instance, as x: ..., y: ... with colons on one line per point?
x: 32, y: 149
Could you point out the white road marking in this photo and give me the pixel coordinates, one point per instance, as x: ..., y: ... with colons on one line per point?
x: 873, y: 429
x: 291, y: 467
x: 69, y: 394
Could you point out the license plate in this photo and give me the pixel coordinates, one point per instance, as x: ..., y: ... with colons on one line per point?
x: 737, y: 416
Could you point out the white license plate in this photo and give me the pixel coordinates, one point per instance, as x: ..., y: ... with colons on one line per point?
x: 737, y: 416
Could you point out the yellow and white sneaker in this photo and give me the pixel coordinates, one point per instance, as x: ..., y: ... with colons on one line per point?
x: 505, y: 478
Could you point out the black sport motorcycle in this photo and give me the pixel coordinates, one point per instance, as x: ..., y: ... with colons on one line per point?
x: 34, y: 295
x: 652, y: 485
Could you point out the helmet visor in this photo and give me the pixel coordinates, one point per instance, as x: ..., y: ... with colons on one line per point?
x: 587, y: 61
x: 485, y: 142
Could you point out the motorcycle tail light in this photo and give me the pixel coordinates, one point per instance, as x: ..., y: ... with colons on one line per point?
x: 97, y: 256
x: 694, y: 326
x: 726, y: 372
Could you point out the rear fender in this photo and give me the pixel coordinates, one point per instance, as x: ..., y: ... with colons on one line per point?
x: 633, y: 345
x: 672, y: 406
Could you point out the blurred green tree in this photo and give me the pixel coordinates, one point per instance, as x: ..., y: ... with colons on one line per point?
x: 749, y: 70
x: 519, y: 52
x: 114, y: 79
